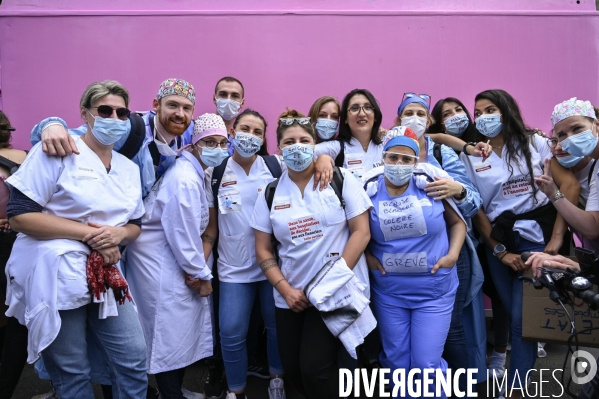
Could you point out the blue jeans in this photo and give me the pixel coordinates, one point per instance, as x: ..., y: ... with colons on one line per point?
x: 510, y: 289
x: 236, y: 302
x: 122, y: 345
x: 455, y: 351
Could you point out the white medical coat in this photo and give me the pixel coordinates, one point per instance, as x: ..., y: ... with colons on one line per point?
x: 46, y: 276
x: 176, y: 321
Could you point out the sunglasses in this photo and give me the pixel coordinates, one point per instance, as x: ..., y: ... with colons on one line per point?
x: 105, y: 111
x: 410, y: 94
x: 305, y: 120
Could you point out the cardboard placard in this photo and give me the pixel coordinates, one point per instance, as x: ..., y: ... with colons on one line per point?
x: 546, y: 321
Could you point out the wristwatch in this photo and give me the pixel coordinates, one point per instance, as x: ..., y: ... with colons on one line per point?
x: 499, y: 248
x: 462, y: 194
x: 558, y: 194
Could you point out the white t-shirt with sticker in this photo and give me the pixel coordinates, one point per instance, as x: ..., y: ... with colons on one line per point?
x: 501, y: 192
x: 237, y: 195
x: 311, y: 230
x: 356, y: 160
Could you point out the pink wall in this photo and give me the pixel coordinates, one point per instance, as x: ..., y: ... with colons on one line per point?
x: 288, y: 53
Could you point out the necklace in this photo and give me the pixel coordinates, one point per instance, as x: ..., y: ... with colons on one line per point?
x: 498, y: 148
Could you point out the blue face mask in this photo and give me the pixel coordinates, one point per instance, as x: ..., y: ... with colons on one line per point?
x: 569, y: 160
x: 456, y: 125
x: 213, y: 156
x: 109, y: 130
x: 399, y: 175
x: 298, y: 156
x: 247, y: 144
x: 489, y: 125
x: 581, y: 144
x: 326, y: 128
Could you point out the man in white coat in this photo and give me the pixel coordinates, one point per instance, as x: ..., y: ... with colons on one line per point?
x: 167, y: 269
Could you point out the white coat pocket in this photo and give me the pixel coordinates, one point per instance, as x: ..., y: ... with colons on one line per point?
x: 179, y: 287
x: 232, y: 250
x: 332, y: 210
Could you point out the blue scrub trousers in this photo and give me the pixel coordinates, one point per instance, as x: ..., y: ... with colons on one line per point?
x: 413, y: 315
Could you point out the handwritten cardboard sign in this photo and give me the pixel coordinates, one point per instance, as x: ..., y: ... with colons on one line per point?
x: 546, y: 321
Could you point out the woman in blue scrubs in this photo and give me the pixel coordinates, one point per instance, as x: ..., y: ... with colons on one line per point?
x: 416, y: 242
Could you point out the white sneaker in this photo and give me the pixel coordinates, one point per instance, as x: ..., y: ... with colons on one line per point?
x: 47, y: 395
x: 187, y: 394
x: 541, y: 352
x: 276, y: 390
x: 497, y: 364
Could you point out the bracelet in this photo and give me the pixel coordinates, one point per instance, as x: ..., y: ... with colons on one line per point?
x: 464, y: 148
x: 277, y: 283
x: 558, y: 195
x: 503, y: 256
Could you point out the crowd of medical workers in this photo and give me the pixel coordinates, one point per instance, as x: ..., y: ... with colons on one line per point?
x: 140, y: 244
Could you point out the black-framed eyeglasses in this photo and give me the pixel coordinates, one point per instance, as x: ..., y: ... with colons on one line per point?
x: 214, y: 144
x: 304, y: 120
x: 9, y: 128
x: 410, y: 94
x: 355, y: 109
x: 105, y: 111
x: 552, y: 142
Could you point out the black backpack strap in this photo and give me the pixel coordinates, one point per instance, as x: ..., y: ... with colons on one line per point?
x: 337, y: 185
x: 273, y: 165
x: 217, y: 176
x: 437, y: 154
x: 340, y: 159
x: 591, y: 172
x: 8, y: 164
x: 152, y: 146
x: 136, y: 136
x: 269, y: 193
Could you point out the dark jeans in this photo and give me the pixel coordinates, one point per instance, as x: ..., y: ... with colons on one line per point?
x: 170, y: 382
x: 501, y: 319
x: 309, y: 353
x: 14, y: 357
x: 455, y: 351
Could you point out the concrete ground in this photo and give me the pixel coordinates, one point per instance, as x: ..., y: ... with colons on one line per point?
x: 30, y: 385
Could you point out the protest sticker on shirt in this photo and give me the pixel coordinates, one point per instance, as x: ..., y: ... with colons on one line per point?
x: 516, y: 187
x: 415, y: 262
x: 355, y: 164
x: 281, y: 203
x: 229, y: 201
x: 305, y: 229
x: 481, y: 166
x: 401, y: 218
x: 81, y: 173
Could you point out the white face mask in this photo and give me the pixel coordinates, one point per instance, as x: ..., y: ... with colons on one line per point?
x: 416, y: 123
x: 163, y: 148
x: 399, y: 175
x: 228, y: 109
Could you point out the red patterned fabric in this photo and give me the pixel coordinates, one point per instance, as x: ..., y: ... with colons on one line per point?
x: 98, y: 276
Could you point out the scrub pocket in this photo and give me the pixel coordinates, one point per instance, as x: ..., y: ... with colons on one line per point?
x: 234, y: 251
x: 332, y: 211
x: 445, y: 282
